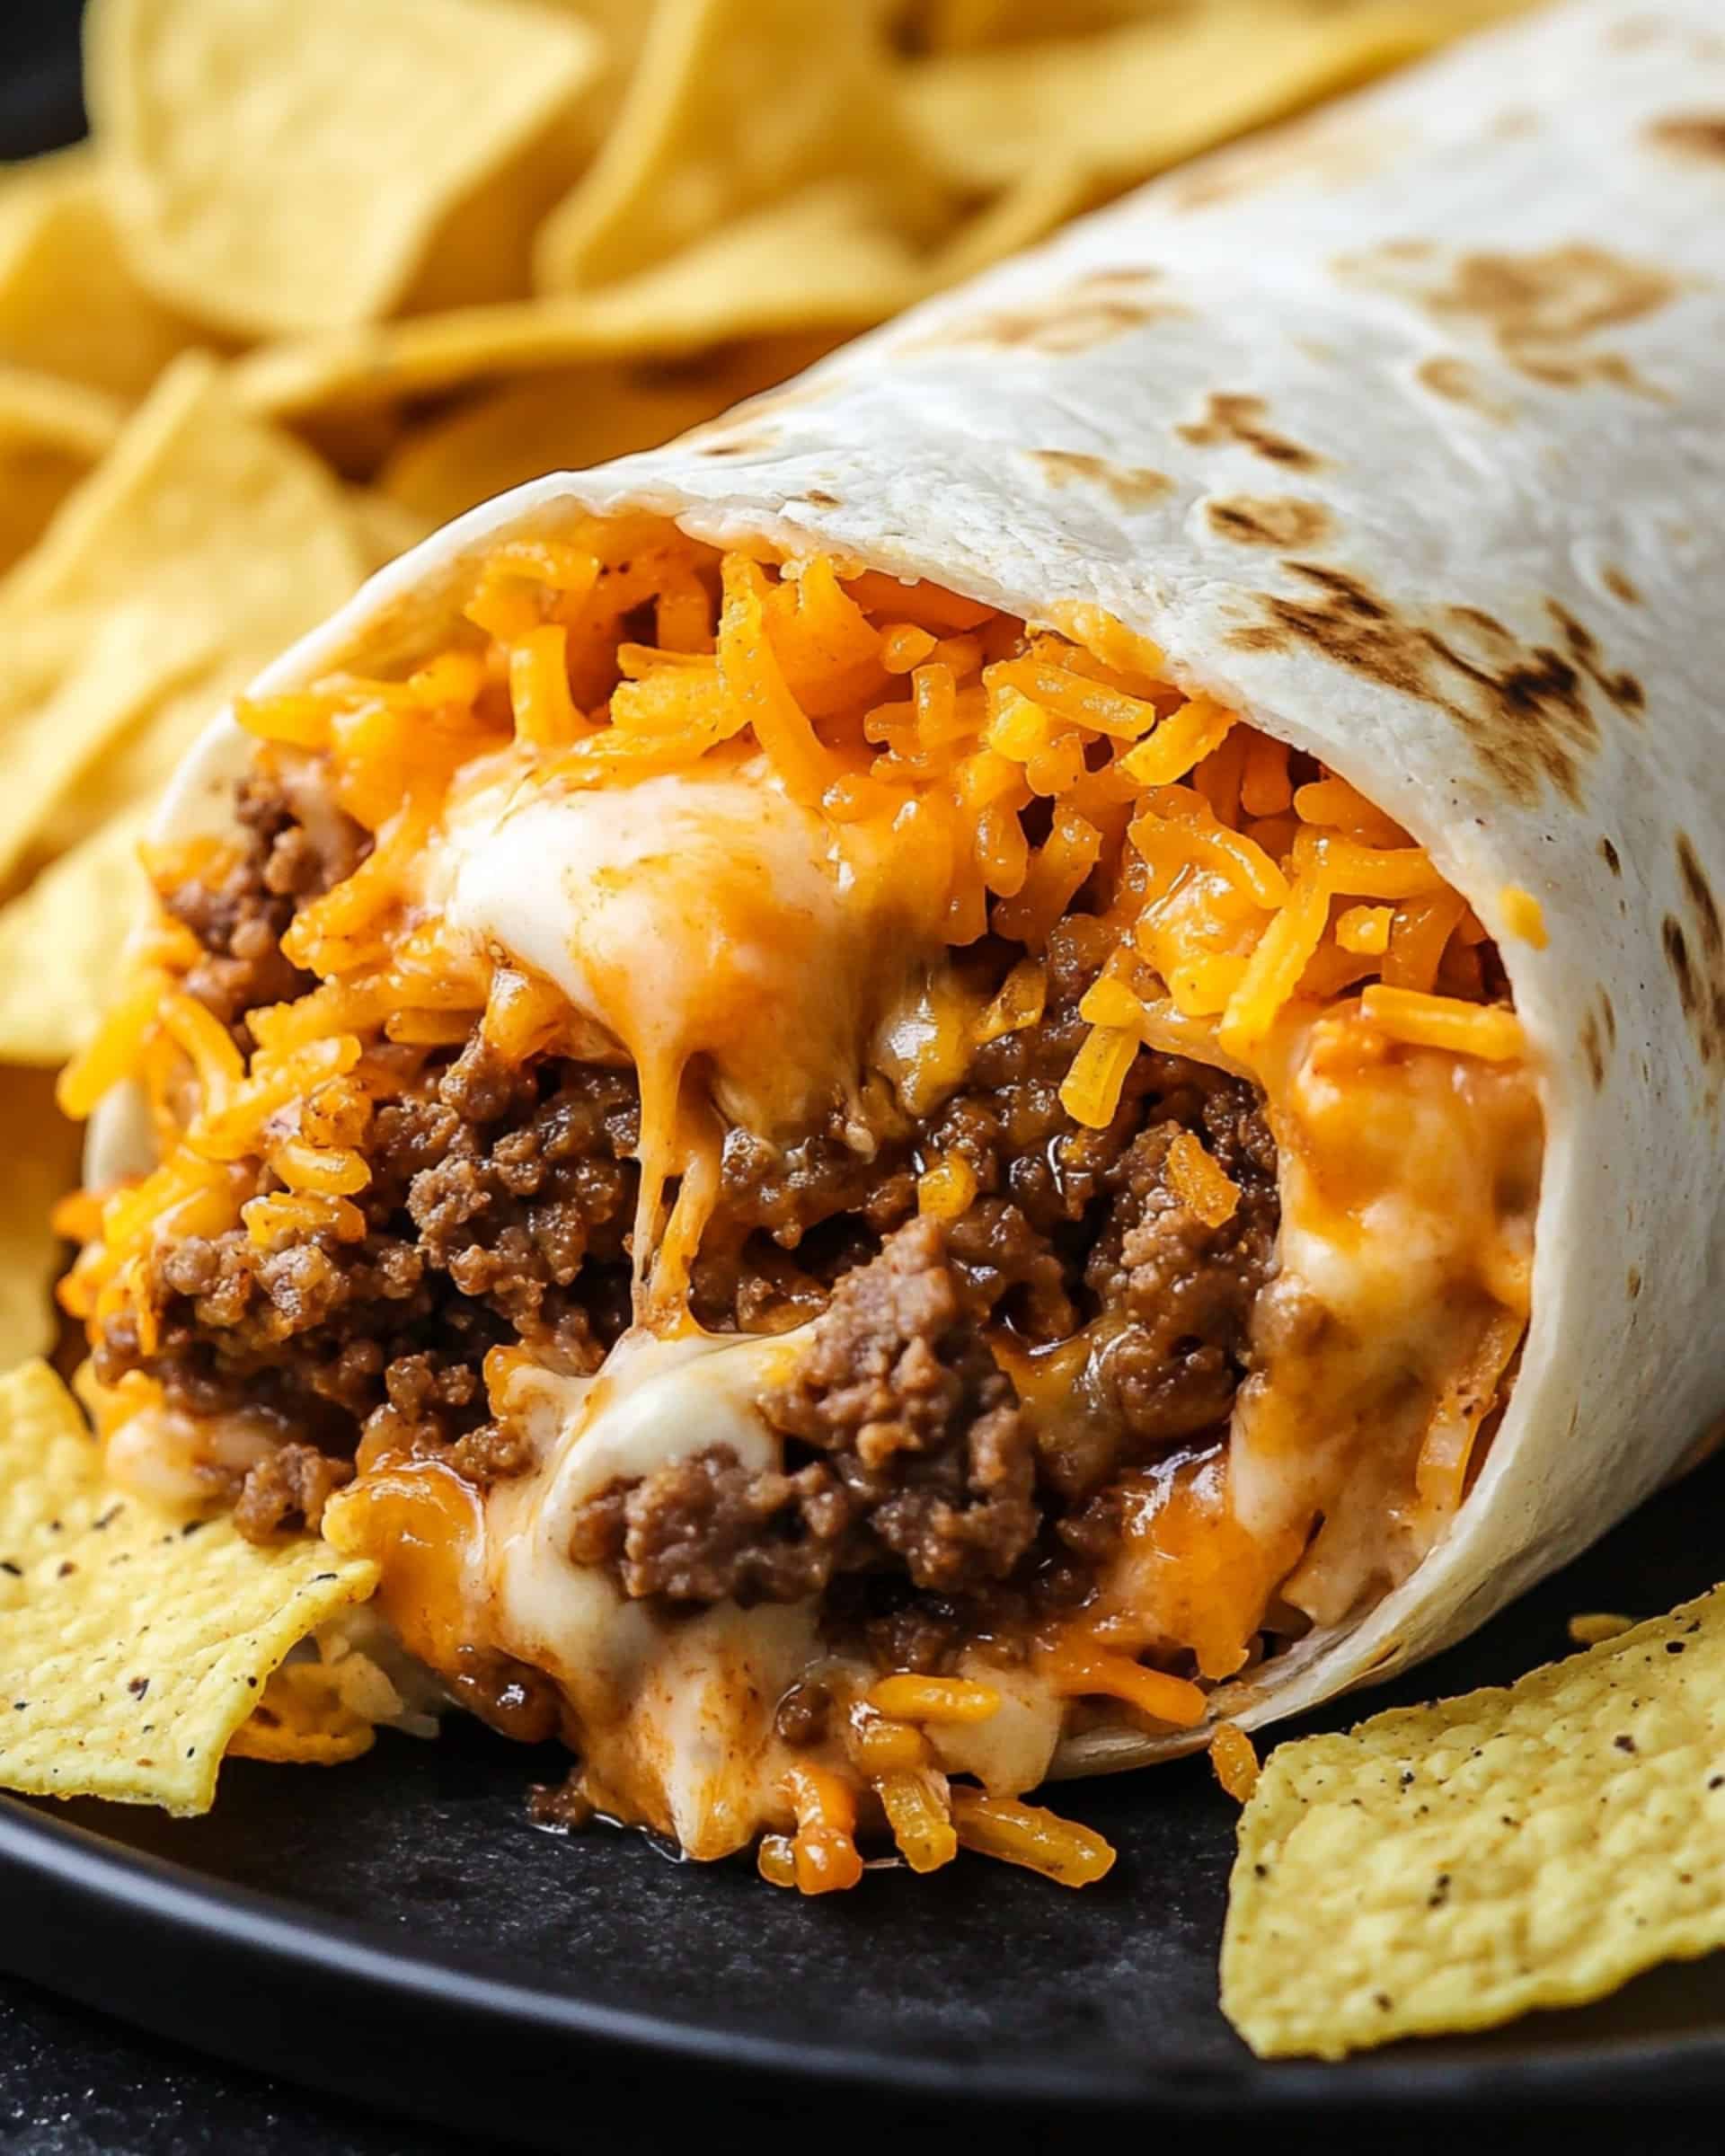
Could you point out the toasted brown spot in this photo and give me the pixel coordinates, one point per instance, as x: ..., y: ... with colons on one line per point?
x: 1617, y: 583
x: 1541, y: 310
x: 1233, y: 417
x: 1701, y: 986
x: 1697, y: 135
x: 1633, y: 1282
x: 738, y: 445
x: 1623, y: 689
x: 1277, y: 520
x: 1608, y: 854
x: 821, y: 499
x: 1448, y: 375
x: 1523, y: 709
x: 1592, y: 1052
x: 1700, y: 893
x: 1325, y: 148
x: 1133, y: 486
x: 1096, y: 307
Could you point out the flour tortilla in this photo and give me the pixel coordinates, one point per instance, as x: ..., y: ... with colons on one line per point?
x: 1400, y: 431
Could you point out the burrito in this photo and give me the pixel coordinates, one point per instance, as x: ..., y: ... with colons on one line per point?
x: 1018, y: 1055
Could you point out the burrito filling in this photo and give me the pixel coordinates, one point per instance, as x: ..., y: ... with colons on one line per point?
x: 842, y: 1188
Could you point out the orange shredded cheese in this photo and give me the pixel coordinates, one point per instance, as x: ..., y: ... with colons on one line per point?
x: 1078, y: 1667
x: 824, y: 1857
x: 1443, y: 1021
x: 1523, y: 915
x: 919, y: 1813
x: 1235, y: 1761
x: 908, y: 1698
x: 1026, y: 1834
x: 1200, y: 1182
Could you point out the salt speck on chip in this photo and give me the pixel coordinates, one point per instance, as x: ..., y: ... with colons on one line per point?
x: 133, y: 1643
x: 1449, y: 1867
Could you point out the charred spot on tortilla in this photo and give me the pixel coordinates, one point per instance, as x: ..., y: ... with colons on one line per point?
x: 1701, y: 987
x: 1700, y: 894
x: 1448, y: 375
x: 1618, y: 583
x: 1541, y: 310
x: 1609, y: 1013
x: 1622, y: 689
x: 1523, y: 709
x: 1231, y: 416
x: 1593, y: 1051
x: 1697, y: 134
x: 821, y: 499
x: 739, y: 445
x: 1608, y: 853
x: 1089, y: 312
x: 1274, y: 520
x: 1132, y: 486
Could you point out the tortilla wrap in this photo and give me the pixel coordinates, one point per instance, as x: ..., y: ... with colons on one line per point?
x: 1398, y: 431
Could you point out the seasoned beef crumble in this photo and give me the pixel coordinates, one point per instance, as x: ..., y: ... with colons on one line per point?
x: 498, y: 1212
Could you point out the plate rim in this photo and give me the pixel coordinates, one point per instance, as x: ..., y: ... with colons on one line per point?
x: 65, y: 1881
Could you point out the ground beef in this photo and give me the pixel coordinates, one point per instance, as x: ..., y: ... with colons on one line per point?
x: 287, y: 1487
x: 922, y: 1459
x: 238, y: 920
x: 479, y: 1233
x: 914, y: 1486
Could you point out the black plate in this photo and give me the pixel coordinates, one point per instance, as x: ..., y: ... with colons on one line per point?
x: 397, y: 1930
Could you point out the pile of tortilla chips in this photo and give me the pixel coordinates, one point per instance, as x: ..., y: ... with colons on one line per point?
x: 328, y: 273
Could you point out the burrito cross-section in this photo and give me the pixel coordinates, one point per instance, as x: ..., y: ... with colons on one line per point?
x: 1017, y: 1056
x: 747, y: 1128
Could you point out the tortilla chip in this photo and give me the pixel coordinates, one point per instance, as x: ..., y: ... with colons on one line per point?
x: 70, y: 304
x: 734, y: 104
x: 62, y: 964
x: 384, y: 526
x: 815, y: 265
x: 1132, y: 101
x: 303, y: 1721
x: 132, y: 1644
x: 132, y: 657
x: 572, y: 417
x: 279, y: 167
x: 1449, y: 1867
x: 226, y: 540
x: 51, y: 432
x: 42, y: 1164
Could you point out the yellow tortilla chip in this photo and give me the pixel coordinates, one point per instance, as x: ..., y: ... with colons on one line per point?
x: 40, y: 1165
x: 133, y: 655
x: 303, y: 1721
x: 818, y: 264
x: 384, y: 526
x: 1131, y: 101
x: 280, y: 166
x: 70, y: 304
x: 132, y: 1644
x: 575, y: 417
x: 201, y: 546
x: 50, y: 434
x: 62, y: 963
x: 1449, y: 1867
x: 734, y: 103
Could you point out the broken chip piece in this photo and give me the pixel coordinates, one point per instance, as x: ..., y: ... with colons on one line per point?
x: 1449, y: 1867
x: 133, y: 1644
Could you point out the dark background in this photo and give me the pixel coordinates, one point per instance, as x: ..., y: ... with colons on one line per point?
x: 74, y: 2084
